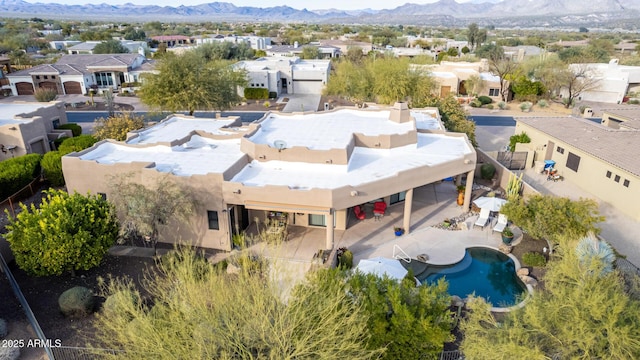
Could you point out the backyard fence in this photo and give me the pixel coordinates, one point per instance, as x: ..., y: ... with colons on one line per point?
x: 25, y: 192
x: 80, y: 353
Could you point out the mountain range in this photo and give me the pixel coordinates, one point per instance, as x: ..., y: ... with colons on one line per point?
x: 444, y: 12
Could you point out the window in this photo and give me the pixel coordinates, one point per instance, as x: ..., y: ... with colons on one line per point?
x: 37, y: 77
x: 104, y: 79
x: 494, y: 92
x: 262, y: 85
x: 53, y: 76
x: 396, y: 198
x: 609, y: 174
x: 625, y: 183
x: 617, y: 178
x: 55, y: 123
x: 46, y: 77
x: 560, y: 150
x: 573, y: 161
x: 319, y: 220
x: 212, y: 217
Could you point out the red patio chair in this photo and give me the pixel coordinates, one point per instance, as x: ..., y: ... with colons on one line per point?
x: 359, y: 213
x: 379, y: 207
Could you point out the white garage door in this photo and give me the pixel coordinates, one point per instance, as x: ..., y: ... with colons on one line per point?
x: 307, y: 86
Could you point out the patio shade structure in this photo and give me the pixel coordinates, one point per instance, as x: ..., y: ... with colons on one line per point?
x: 381, y: 266
x: 491, y: 203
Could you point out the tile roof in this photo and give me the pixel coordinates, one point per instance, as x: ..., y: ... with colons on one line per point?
x: 80, y: 64
x: 616, y: 147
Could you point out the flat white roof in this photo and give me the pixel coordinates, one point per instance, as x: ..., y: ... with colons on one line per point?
x: 178, y: 127
x: 443, y: 74
x: 365, y: 165
x: 198, y: 156
x: 426, y: 120
x: 8, y: 111
x: 332, y: 130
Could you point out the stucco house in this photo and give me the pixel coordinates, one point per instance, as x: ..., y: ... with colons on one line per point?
x: 452, y: 78
x: 256, y: 42
x: 611, y: 82
x: 87, y: 47
x: 30, y: 127
x: 307, y: 170
x: 286, y: 75
x: 76, y: 74
x: 603, y: 159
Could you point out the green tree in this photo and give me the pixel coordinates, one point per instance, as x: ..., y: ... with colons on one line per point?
x: 472, y: 34
x: 244, y: 318
x: 351, y: 81
x: 135, y: 35
x: 554, y: 218
x: 66, y: 233
x: 453, y: 116
x: 490, y: 51
x: 116, y: 127
x: 189, y: 82
x: 310, y: 52
x: 110, y: 47
x: 144, y: 210
x: 527, y: 90
x: 410, y: 321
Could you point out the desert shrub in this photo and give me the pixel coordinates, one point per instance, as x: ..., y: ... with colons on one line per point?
x: 16, y: 173
x: 634, y: 101
x: 487, y: 170
x: 267, y: 104
x: 518, y: 138
x: 582, y: 108
x: 76, y: 144
x: 534, y: 259
x: 57, y: 142
x: 345, y: 258
x: 490, y: 106
x: 117, y: 126
x: 3, y: 328
x: 502, y: 105
x: 45, y: 95
x: 525, y: 106
x: 569, y: 102
x: 484, y: 100
x: 542, y: 103
x: 9, y: 353
x: 256, y: 93
x: 76, y: 302
x: 52, y: 167
x: 75, y: 128
x: 273, y: 94
x: 475, y: 103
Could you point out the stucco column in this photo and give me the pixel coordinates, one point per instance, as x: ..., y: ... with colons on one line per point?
x: 467, y: 191
x: 408, y: 202
x: 329, y: 221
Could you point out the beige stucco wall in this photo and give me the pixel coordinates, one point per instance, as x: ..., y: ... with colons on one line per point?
x: 591, y: 175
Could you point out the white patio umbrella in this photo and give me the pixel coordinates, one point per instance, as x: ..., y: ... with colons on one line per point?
x: 491, y: 203
x: 381, y: 266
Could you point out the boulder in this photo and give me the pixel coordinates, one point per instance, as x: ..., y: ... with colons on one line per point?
x: 232, y: 269
x: 528, y: 280
x: 505, y: 249
x: 456, y: 301
x: 523, y: 272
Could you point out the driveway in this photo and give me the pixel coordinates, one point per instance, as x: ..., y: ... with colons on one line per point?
x: 302, y: 103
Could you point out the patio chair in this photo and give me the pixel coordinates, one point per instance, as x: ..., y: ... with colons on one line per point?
x: 501, y: 224
x: 379, y: 207
x: 483, y: 219
x: 357, y: 210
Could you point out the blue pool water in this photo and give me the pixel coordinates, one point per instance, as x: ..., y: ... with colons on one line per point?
x: 486, y: 272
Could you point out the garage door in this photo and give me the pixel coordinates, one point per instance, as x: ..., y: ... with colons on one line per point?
x: 72, y: 87
x: 48, y: 85
x: 24, y: 88
x: 307, y: 86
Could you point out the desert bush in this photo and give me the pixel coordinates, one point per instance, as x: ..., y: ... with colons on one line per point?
x: 256, y: 93
x: 117, y: 126
x: 76, y: 302
x: 634, y: 102
x: 78, y: 143
x: 518, y: 138
x: 75, y: 128
x: 9, y: 353
x: 484, y: 100
x: 16, y: 173
x: 502, y: 105
x: 542, y: 103
x: 267, y: 104
x: 45, y: 95
x: 52, y: 167
x: 487, y: 170
x: 534, y: 259
x: 3, y: 328
x: 490, y: 106
x: 525, y: 106
x: 475, y: 103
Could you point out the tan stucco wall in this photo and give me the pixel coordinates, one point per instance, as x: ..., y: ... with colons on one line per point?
x: 591, y: 175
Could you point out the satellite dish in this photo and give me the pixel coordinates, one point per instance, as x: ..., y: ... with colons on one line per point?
x: 280, y: 144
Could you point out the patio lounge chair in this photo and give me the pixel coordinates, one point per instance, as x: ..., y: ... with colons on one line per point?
x: 360, y: 215
x: 502, y: 223
x: 379, y: 207
x: 483, y: 219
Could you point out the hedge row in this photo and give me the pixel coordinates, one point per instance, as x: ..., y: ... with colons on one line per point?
x: 75, y: 128
x: 256, y: 93
x: 52, y: 161
x: 17, y: 173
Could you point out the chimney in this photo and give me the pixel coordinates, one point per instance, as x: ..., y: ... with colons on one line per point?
x: 295, y: 45
x: 400, y: 113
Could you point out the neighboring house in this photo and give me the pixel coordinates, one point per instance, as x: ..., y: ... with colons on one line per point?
x: 27, y: 128
x: 611, y: 82
x: 602, y: 160
x: 286, y: 75
x: 76, y: 74
x: 87, y: 47
x: 326, y: 51
x: 256, y: 42
x: 5, y: 68
x: 452, y: 78
x: 63, y: 44
x: 522, y: 52
x: 173, y: 40
x: 570, y: 44
x: 345, y: 45
x: 307, y: 170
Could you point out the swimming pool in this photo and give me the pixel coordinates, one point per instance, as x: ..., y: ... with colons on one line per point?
x: 486, y: 272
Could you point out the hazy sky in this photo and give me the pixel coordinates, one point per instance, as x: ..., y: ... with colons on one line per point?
x: 297, y: 4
